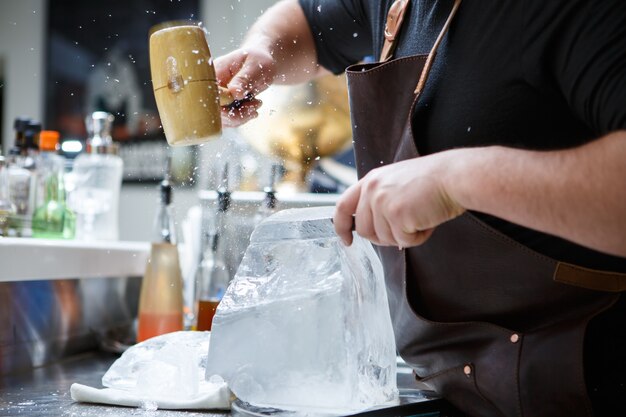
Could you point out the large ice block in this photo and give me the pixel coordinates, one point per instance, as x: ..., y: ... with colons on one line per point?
x: 305, y: 323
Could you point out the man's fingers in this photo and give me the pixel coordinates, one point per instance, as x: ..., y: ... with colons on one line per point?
x: 364, y: 220
x: 251, y: 79
x: 233, y: 117
x: 236, y: 73
x: 382, y: 231
x: 406, y: 239
x: 344, y: 211
x: 227, y: 66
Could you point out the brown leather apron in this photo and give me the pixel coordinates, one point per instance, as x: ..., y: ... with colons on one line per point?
x: 494, y: 327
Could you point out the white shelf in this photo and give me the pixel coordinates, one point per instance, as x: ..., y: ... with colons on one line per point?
x: 24, y: 259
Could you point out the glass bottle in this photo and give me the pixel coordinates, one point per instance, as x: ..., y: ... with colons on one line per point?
x: 22, y: 176
x: 97, y: 175
x: 6, y: 206
x: 161, y: 298
x: 207, y: 230
x: 164, y: 227
x: 48, y: 162
x: 213, y: 276
x: 52, y: 218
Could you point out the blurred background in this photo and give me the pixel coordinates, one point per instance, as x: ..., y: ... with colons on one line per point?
x: 60, y: 60
x: 75, y: 80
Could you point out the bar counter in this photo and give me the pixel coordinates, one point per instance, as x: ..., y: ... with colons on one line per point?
x: 44, y: 392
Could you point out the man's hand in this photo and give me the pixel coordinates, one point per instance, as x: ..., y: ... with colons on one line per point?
x: 278, y: 48
x: 245, y: 72
x: 398, y: 204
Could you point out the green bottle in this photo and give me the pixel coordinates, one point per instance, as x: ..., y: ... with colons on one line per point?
x: 52, y: 218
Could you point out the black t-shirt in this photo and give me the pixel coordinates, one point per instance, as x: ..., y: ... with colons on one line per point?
x: 528, y: 74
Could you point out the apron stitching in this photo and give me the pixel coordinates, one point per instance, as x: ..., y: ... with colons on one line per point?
x: 580, y: 346
x: 520, y: 412
x: 473, y: 382
x: 501, y: 236
x: 590, y: 270
x: 383, y: 66
x: 505, y: 331
x: 484, y: 398
x: 504, y: 238
x: 409, y: 123
x: 443, y: 372
x: 580, y: 317
x: 576, y: 284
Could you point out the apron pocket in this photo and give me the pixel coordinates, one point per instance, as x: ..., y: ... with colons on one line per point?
x: 474, y: 365
x: 458, y: 386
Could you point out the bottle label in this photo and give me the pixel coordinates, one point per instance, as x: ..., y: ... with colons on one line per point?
x: 20, y: 193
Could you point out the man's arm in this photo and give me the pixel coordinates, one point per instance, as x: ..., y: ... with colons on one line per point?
x: 578, y: 194
x: 279, y: 48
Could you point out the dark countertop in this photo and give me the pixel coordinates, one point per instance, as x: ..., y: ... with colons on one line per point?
x: 44, y: 392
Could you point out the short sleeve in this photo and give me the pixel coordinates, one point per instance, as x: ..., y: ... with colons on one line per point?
x: 341, y: 30
x: 580, y: 47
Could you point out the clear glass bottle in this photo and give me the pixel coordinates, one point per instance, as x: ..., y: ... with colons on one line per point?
x: 6, y: 206
x: 22, y: 176
x: 161, y: 298
x: 97, y: 175
x: 212, y: 275
x: 52, y: 218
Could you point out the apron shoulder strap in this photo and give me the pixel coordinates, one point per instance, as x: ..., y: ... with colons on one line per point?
x: 433, y: 51
x: 395, y: 18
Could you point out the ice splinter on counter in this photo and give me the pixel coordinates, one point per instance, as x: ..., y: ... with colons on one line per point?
x: 170, y: 365
x: 165, y: 372
x: 305, y: 323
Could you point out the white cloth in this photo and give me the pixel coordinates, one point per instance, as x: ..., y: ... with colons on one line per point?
x: 166, y: 371
x: 214, y: 399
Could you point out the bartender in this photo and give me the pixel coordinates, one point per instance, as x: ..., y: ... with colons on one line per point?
x: 491, y: 147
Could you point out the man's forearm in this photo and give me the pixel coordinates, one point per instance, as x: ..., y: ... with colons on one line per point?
x: 578, y: 194
x: 284, y: 30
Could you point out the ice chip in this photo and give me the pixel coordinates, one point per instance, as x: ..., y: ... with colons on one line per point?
x: 170, y: 366
x: 305, y: 324
x: 149, y: 406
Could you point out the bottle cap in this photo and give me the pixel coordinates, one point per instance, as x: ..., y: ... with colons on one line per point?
x: 49, y: 140
x: 20, y: 123
x: 99, y: 125
x: 31, y: 134
x: 165, y: 189
x: 223, y: 194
